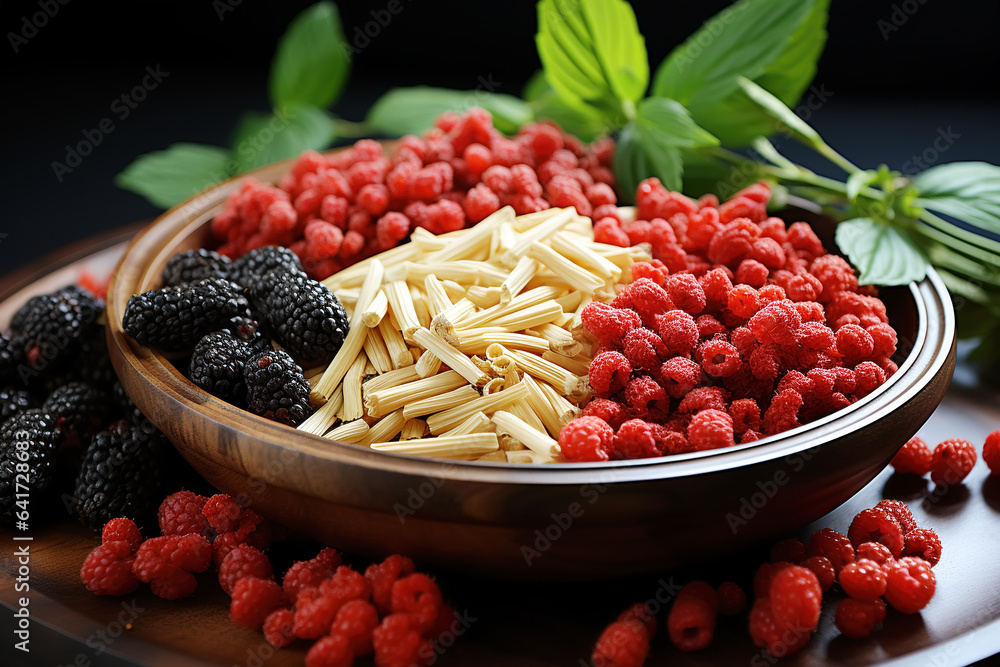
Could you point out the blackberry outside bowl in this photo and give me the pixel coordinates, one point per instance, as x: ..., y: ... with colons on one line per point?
x: 567, y: 521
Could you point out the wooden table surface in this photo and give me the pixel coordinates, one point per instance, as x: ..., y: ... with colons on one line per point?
x: 512, y: 623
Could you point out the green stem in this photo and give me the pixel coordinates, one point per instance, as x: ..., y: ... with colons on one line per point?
x: 833, y: 156
x: 963, y: 234
x: 348, y: 129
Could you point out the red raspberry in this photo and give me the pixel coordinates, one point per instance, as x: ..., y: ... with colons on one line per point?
x: 600, y: 194
x: 835, y: 274
x: 884, y: 339
x: 647, y: 299
x: 679, y: 376
x: 914, y: 457
x: 644, y: 349
x: 678, y: 331
x: 782, y: 414
x: 166, y: 563
x: 863, y: 579
x: 911, y: 584
x: 253, y: 601
x: 480, y: 202
x: 329, y: 558
x: 392, y: 228
x: 710, y: 429
x: 355, y: 621
x: 923, y: 543
x: 636, y: 439
x: 686, y: 293
x: 278, y: 628
x: 655, y: 272
x: 773, y: 228
x: 416, y: 595
x: 991, y: 452
x: 691, y: 621
x: 767, y: 252
x: 223, y: 544
x: 331, y: 651
x: 776, y: 322
x: 586, y: 439
x: 605, y: 410
x: 640, y: 615
x: 767, y: 633
x: 790, y: 550
x: 952, y: 461
x: 716, y: 285
x: 222, y: 512
x: 732, y: 599
x: 525, y: 181
x: 709, y: 327
x: 742, y: 301
x: 746, y: 415
x: 801, y: 236
x: 640, y: 392
x: 609, y: 324
x: 720, y: 359
x: 796, y: 597
x: 445, y: 216
x: 608, y: 230
x: 303, y: 575
x: 333, y: 209
x: 315, y: 608
x: 381, y: 577
x: 621, y: 644
x: 853, y: 342
x: 243, y: 561
x: 875, y: 551
x: 609, y: 371
x: 823, y: 570
x: 374, y: 198
x: 704, y: 398
x: 770, y: 294
x: 869, y: 377
x: 900, y: 512
x: 180, y: 514
x: 122, y: 530
x: 734, y: 241
x: 877, y: 525
x: 857, y: 618
x: 831, y: 545
x: 764, y: 575
x: 742, y: 207
x: 477, y: 158
x: 323, y: 239
x: 752, y: 273
x: 815, y: 336
x: 107, y: 570
x: 399, y: 645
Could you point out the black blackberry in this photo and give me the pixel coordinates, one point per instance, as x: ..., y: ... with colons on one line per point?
x: 194, y: 265
x: 174, y: 319
x: 122, y: 474
x: 302, y: 314
x: 218, y: 364
x: 48, y: 329
x: 276, y: 388
x: 123, y: 407
x: 15, y: 401
x: 79, y: 409
x: 10, y: 358
x: 260, y: 261
x: 35, y: 433
x: 91, y: 365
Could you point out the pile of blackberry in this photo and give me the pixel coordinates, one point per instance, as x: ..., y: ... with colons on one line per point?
x: 221, y: 317
x: 67, y: 423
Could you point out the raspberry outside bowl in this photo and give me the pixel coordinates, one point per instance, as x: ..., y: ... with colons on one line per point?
x: 569, y: 521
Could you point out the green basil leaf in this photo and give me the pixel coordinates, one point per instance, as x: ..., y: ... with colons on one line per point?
x: 176, y: 173
x: 883, y: 253
x: 412, y: 110
x: 262, y: 138
x: 967, y: 191
x: 592, y: 52
x: 741, y: 40
x: 311, y: 63
x: 665, y: 122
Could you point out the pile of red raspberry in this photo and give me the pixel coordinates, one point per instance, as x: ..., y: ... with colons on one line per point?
x: 390, y: 610
x: 950, y: 462
x: 883, y: 555
x: 333, y: 211
x: 739, y: 328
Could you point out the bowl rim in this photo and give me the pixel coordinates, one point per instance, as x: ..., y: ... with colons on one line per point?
x: 191, y: 215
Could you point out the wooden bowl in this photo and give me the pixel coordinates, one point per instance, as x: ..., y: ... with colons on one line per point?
x: 570, y: 521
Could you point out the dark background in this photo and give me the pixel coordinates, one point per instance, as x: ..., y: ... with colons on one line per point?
x: 890, y: 91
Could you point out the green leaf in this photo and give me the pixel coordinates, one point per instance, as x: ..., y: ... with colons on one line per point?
x: 661, y: 128
x: 967, y: 191
x: 776, y: 109
x: 884, y: 254
x: 631, y: 163
x: 176, y: 173
x: 859, y: 181
x: 586, y: 124
x: 262, y: 138
x: 311, y: 64
x: 592, y: 52
x: 775, y: 43
x: 412, y: 110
